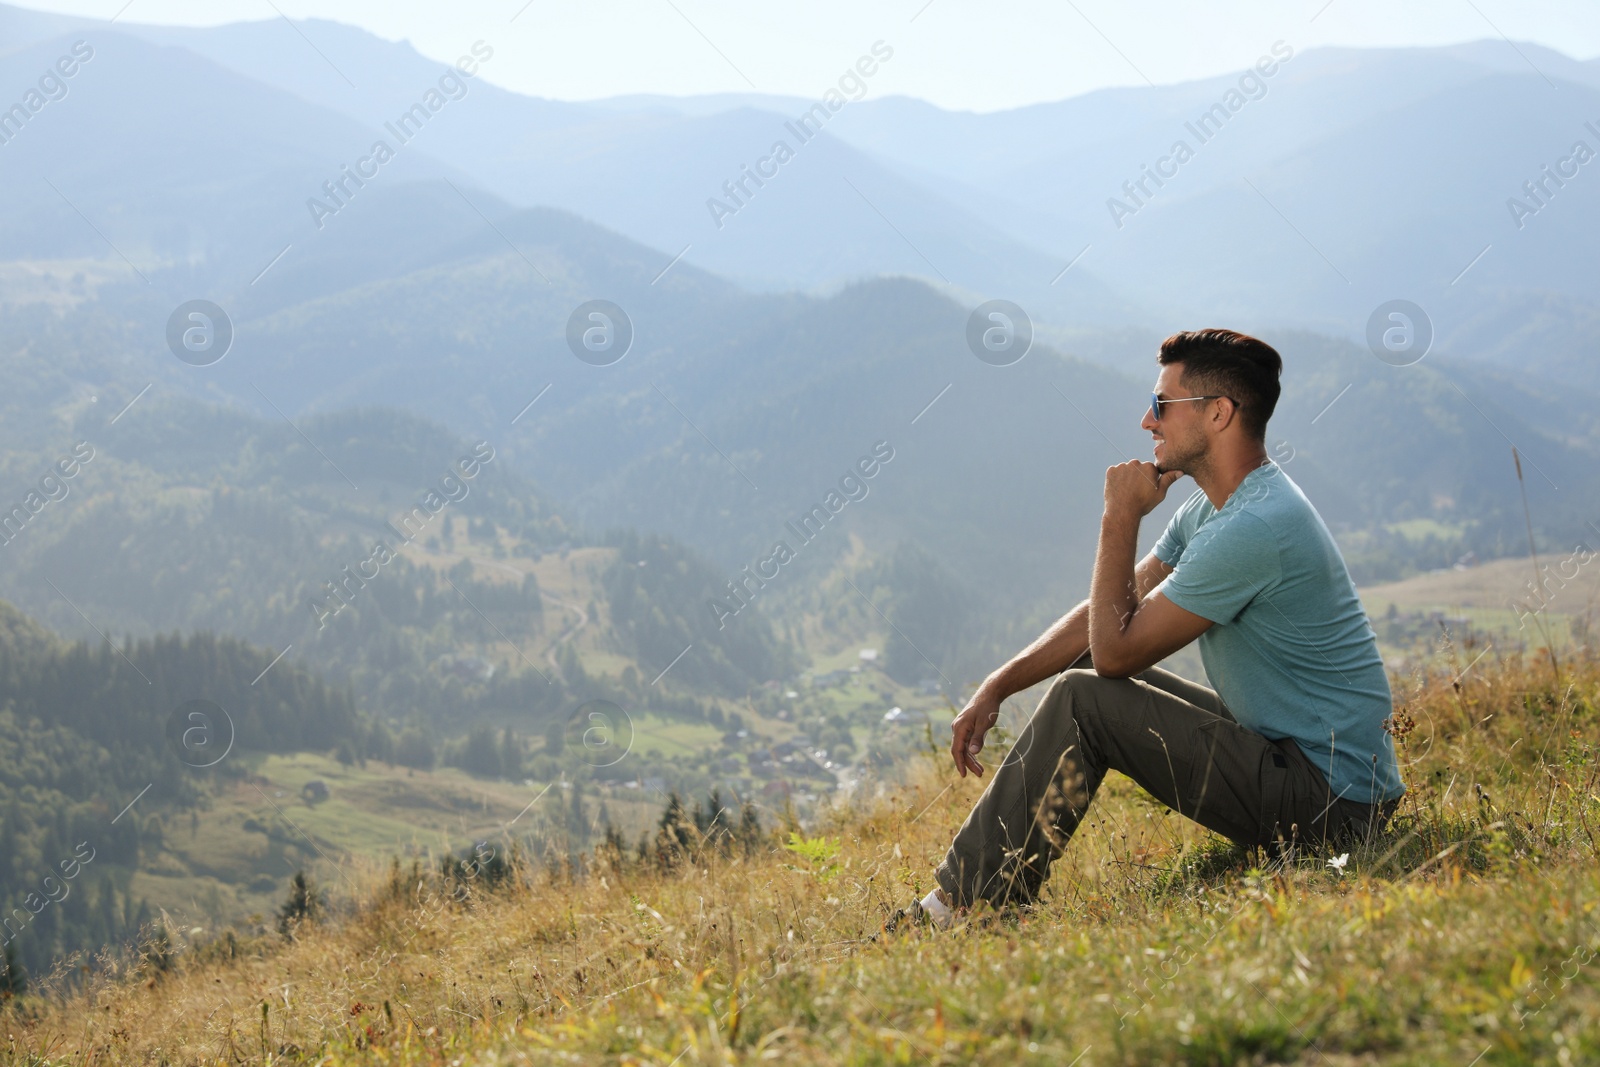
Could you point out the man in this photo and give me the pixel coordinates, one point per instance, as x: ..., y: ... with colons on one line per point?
x: 1290, y: 747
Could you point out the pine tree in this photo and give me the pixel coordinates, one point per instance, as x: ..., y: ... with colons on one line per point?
x: 481, y: 756
x: 8, y: 845
x: 510, y: 754
x: 106, y: 901
x: 614, y: 844
x: 304, y: 904
x: 675, y: 830
x: 749, y: 832
x: 577, y: 820
x: 718, y: 820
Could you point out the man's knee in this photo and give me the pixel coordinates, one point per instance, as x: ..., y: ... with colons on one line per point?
x: 1054, y: 725
x: 1079, y: 678
x: 1082, y: 693
x: 1080, y: 704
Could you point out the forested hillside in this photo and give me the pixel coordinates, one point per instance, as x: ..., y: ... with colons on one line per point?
x: 194, y: 515
x: 86, y: 730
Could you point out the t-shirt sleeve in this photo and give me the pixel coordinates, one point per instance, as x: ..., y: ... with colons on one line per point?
x: 1171, y: 543
x: 1223, y: 567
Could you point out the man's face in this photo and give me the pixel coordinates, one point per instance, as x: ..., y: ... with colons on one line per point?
x: 1181, y: 442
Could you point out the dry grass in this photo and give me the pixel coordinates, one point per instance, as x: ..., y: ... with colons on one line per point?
x: 1462, y: 935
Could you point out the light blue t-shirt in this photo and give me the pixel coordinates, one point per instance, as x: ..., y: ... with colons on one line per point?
x: 1291, y: 651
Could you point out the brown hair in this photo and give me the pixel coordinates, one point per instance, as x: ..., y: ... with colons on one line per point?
x: 1230, y: 364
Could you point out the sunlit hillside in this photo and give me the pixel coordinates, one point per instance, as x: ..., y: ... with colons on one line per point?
x: 1463, y: 933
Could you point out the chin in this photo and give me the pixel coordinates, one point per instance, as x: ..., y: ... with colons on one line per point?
x: 1164, y: 466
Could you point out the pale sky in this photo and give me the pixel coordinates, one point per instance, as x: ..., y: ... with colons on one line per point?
x: 977, y: 55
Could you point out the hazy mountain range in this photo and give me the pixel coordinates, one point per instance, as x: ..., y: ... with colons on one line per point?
x: 772, y: 352
x: 1344, y: 178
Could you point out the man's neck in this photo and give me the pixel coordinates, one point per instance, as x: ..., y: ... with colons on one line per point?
x: 1220, y: 475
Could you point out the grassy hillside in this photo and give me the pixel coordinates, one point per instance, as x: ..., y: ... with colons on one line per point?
x: 1504, y: 603
x: 231, y: 857
x: 1463, y: 934
x: 1499, y: 585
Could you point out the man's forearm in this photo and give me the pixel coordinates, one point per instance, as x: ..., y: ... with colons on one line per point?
x: 1054, y: 651
x: 1060, y: 646
x: 1113, y: 591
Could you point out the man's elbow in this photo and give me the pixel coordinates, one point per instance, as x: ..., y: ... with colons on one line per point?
x: 1108, y: 664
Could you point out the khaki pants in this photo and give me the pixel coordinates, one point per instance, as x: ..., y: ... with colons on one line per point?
x: 1173, y: 737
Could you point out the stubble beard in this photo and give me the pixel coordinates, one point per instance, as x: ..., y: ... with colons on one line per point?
x: 1186, y: 461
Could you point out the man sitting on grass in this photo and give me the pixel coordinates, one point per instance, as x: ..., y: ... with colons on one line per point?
x: 1289, y: 748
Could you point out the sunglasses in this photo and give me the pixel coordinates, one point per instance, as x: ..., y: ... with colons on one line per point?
x: 1156, y: 402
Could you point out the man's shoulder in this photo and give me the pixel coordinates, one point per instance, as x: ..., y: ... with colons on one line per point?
x: 1303, y: 540
x: 1241, y: 532
x: 1272, y: 496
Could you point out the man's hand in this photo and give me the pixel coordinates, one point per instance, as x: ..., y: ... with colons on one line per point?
x: 1134, y: 489
x: 969, y: 728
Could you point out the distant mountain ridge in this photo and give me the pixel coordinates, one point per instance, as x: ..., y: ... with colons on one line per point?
x: 436, y: 289
x: 1284, y: 219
